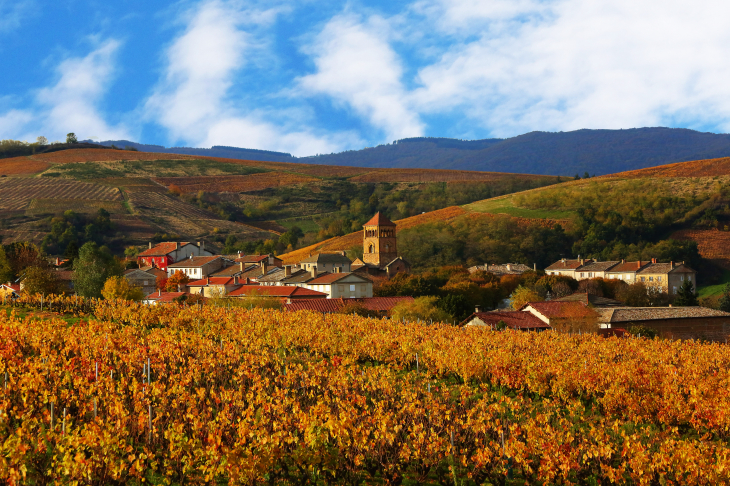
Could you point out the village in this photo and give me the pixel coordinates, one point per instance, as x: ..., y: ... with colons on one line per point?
x: 329, y: 282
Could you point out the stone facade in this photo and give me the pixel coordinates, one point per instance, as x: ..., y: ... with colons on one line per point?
x: 379, y: 241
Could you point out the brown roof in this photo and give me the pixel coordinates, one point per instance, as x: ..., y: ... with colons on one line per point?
x: 380, y: 304
x: 629, y: 266
x: 566, y: 264
x: 229, y: 271
x: 379, y: 220
x: 196, y: 261
x: 664, y: 268
x: 554, y: 309
x: 598, y: 266
x: 212, y: 281
x: 502, y: 269
x: 327, y: 258
x: 513, y: 320
x: 594, y: 300
x: 333, y: 277
x: 276, y: 291
x: 638, y: 314
x: 168, y: 296
x: 162, y: 249
x: 252, y: 258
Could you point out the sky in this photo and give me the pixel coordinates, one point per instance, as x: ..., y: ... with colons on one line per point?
x: 310, y: 77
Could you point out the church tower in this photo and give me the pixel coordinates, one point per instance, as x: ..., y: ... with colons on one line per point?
x: 379, y: 242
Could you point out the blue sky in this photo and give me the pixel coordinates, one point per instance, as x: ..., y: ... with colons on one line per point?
x: 312, y: 77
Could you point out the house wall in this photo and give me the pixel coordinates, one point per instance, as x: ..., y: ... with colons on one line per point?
x: 327, y: 267
x: 198, y: 272
x: 147, y: 284
x: 703, y: 328
x: 628, y: 277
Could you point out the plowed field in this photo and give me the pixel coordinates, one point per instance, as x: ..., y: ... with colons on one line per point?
x: 21, y: 166
x: 712, y: 244
x: 235, y: 183
x: 695, y: 168
x: 16, y: 193
x: 432, y: 175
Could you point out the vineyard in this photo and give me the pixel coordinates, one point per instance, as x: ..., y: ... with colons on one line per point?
x: 712, y: 244
x: 21, y: 166
x: 433, y: 175
x: 170, y: 394
x: 696, y: 168
x: 235, y: 183
x: 17, y: 193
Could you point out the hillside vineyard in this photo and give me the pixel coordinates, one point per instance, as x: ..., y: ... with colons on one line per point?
x: 202, y: 395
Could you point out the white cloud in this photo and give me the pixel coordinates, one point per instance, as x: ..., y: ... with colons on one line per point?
x: 13, y: 124
x: 576, y: 64
x: 356, y: 66
x: 193, y: 102
x: 70, y: 105
x: 12, y: 13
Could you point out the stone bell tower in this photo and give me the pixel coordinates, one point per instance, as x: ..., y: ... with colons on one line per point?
x: 379, y: 241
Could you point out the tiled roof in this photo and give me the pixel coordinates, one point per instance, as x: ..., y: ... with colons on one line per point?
x: 168, y: 296
x: 196, y: 261
x: 162, y: 249
x: 303, y: 276
x: 514, y: 319
x: 276, y: 291
x: 277, y: 275
x: 567, y: 264
x: 228, y: 271
x: 665, y: 268
x: 554, y: 309
x: 14, y: 287
x: 379, y: 220
x: 594, y: 300
x: 397, y: 260
x: 598, y: 266
x: 212, y: 281
x: 380, y: 304
x: 637, y: 314
x: 628, y: 267
x: 333, y: 277
x: 327, y: 258
x: 254, y: 258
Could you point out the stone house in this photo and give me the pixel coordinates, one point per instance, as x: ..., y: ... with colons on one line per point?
x: 284, y: 293
x: 163, y: 254
x: 625, y: 271
x: 670, y: 322
x: 142, y: 279
x: 666, y: 277
x: 522, y: 321
x: 197, y: 267
x: 594, y: 270
x: 566, y: 267
x: 327, y: 262
x: 212, y: 287
x: 341, y: 285
x: 502, y: 269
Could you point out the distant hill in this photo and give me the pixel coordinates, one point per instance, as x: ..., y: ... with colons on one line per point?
x: 215, y: 151
x: 565, y: 153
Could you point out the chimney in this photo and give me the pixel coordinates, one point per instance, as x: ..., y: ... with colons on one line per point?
x: 313, y: 271
x: 534, y: 266
x: 58, y: 261
x: 159, y: 291
x: 248, y: 281
x: 623, y: 261
x: 207, y: 280
x: 242, y: 266
x: 509, y: 267
x: 582, y: 262
x: 477, y: 309
x: 191, y: 256
x: 671, y: 265
x: 287, y: 271
x: 235, y: 280
x: 150, y: 245
x: 239, y: 253
x: 342, y: 253
x: 264, y: 267
x: 271, y: 259
x: 638, y: 264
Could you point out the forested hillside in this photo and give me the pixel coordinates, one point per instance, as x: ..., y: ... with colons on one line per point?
x: 596, y: 152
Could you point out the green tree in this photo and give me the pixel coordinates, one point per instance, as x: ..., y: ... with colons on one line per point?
x: 422, y: 308
x: 37, y: 280
x: 725, y: 299
x: 71, y: 138
x: 6, y: 270
x: 92, y: 269
x: 686, y: 297
x: 523, y: 295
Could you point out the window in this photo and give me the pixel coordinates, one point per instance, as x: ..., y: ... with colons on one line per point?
x: 643, y: 279
x: 675, y: 289
x: 590, y: 274
x: 352, y: 288
x: 145, y: 282
x: 689, y: 277
x: 651, y: 279
x: 582, y: 275
x: 681, y: 277
x: 658, y: 279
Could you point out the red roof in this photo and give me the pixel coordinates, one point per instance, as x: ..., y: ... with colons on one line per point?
x: 212, y: 281
x: 162, y: 249
x: 555, y: 309
x: 379, y: 220
x: 380, y: 304
x: 276, y: 291
x: 513, y: 319
x: 14, y: 287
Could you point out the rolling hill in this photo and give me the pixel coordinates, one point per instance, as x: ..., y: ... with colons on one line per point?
x: 597, y: 152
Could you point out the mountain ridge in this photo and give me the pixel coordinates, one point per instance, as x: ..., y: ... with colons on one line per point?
x: 597, y: 152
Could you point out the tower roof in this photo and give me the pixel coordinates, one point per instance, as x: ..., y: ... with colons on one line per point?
x: 379, y: 220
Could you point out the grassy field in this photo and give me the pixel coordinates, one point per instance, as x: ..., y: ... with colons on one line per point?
x: 717, y: 289
x: 505, y: 206
x: 306, y: 224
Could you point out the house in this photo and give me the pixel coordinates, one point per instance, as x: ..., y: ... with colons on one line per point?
x: 503, y: 269
x: 380, y: 250
x: 197, y: 267
x: 144, y: 280
x: 666, y: 277
x: 341, y: 285
x: 594, y: 270
x: 157, y: 272
x: 590, y: 300
x: 564, y: 315
x: 270, y: 259
x: 521, y: 321
x: 284, y: 293
x: 381, y: 305
x: 278, y: 276
x: 9, y: 289
x: 327, y: 262
x: 566, y: 267
x: 670, y: 322
x: 163, y: 254
x: 161, y: 297
x: 625, y: 271
x: 212, y: 287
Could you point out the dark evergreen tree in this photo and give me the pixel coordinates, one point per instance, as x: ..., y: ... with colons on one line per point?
x: 686, y: 297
